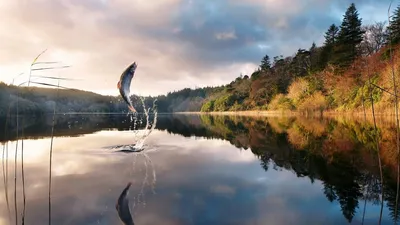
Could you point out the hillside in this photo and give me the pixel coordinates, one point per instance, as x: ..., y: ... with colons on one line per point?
x: 335, y: 76
x: 37, y: 100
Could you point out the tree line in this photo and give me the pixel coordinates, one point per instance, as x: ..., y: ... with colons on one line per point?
x: 38, y: 101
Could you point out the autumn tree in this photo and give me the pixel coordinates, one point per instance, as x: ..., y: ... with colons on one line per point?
x: 349, y: 38
x: 394, y: 26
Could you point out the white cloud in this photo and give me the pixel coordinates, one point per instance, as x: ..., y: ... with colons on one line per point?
x: 226, y: 35
x: 173, y: 41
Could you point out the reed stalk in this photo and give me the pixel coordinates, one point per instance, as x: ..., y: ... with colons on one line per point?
x: 15, y: 164
x: 51, y: 153
x: 5, y: 167
x: 377, y: 144
x: 23, y: 172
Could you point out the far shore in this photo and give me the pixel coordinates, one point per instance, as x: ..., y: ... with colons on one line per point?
x: 245, y: 113
x: 293, y: 113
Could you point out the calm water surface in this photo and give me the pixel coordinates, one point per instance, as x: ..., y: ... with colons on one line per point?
x: 200, y: 170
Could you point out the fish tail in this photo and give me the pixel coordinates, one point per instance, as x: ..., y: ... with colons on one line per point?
x: 131, y: 108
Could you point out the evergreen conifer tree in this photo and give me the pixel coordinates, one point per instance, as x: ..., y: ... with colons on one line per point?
x: 394, y: 27
x: 349, y: 38
x: 265, y: 63
x: 331, y: 36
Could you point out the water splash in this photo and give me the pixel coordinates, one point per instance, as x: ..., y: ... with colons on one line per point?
x: 149, y: 179
x: 147, y: 131
x: 140, y: 136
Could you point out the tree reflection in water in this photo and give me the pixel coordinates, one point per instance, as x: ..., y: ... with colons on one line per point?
x: 339, y: 152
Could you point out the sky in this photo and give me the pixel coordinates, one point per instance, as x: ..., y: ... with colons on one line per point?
x: 176, y: 43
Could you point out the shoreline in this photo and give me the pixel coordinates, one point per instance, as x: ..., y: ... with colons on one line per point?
x: 291, y: 113
x: 243, y: 113
x: 380, y: 118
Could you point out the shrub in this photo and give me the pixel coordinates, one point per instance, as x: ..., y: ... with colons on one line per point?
x: 223, y: 103
x: 208, y: 106
x: 316, y: 102
x: 280, y: 102
x: 298, y: 90
x: 236, y: 107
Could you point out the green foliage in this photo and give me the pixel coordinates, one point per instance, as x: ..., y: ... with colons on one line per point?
x: 330, y: 102
x: 223, y: 103
x: 315, y: 83
x: 208, y: 106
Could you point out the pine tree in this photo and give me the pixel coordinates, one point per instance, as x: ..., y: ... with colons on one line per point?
x: 331, y: 35
x: 265, y: 63
x: 331, y: 38
x: 313, y: 47
x: 349, y: 38
x: 394, y: 27
x: 314, y: 57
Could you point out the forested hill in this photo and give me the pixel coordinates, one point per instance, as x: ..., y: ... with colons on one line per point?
x: 342, y: 74
x: 334, y: 76
x: 36, y: 100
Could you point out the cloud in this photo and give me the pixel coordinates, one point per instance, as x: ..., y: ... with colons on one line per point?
x: 175, y: 42
x: 199, y: 186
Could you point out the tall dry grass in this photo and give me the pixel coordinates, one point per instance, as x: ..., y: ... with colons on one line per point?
x: 32, y: 79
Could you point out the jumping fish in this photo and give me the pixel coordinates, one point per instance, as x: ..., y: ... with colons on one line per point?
x: 124, y: 84
x: 122, y: 207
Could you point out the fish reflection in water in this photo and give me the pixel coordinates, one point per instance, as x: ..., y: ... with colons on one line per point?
x: 122, y: 206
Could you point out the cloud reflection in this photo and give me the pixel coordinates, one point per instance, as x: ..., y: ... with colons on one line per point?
x: 198, y: 182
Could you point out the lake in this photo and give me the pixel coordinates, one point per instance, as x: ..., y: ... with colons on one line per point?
x: 199, y: 169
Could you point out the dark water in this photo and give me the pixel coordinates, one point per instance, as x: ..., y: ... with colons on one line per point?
x: 200, y: 170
